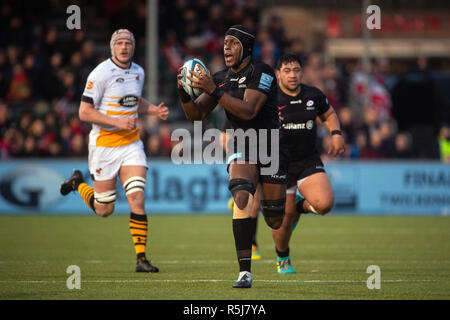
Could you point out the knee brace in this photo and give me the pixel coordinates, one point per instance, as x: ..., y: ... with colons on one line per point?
x: 107, y: 197
x: 134, y: 184
x: 241, y: 184
x: 237, y: 185
x: 273, y: 208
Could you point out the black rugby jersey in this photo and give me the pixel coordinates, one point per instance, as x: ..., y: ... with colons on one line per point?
x: 298, y: 130
x: 258, y: 76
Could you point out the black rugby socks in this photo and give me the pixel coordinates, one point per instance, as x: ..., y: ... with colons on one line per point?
x: 243, y: 233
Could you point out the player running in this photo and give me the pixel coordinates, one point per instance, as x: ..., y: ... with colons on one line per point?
x: 111, y: 102
x: 246, y: 89
x: 298, y: 107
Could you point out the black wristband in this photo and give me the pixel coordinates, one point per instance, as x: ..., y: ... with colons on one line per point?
x: 217, y: 94
x: 339, y: 132
x: 184, y: 97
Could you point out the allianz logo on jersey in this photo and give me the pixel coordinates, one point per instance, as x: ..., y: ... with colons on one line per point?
x: 298, y: 126
x: 128, y: 101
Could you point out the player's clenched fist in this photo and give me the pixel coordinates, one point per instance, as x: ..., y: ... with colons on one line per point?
x: 126, y: 123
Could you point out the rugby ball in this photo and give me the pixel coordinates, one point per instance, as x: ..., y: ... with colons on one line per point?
x: 192, y: 65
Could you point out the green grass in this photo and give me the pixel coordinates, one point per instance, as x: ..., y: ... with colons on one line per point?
x: 197, y: 259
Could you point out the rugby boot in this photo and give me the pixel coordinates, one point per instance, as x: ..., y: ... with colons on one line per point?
x: 244, y: 281
x: 284, y: 265
x: 72, y: 183
x: 145, y: 266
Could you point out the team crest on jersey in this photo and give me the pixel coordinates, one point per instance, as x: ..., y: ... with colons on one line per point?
x: 241, y: 80
x: 310, y: 103
x: 90, y: 85
x: 120, y: 80
x: 128, y: 101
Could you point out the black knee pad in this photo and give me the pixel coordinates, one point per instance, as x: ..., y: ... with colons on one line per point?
x: 237, y: 185
x: 241, y: 184
x: 273, y: 208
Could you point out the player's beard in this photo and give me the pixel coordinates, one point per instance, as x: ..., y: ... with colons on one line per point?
x: 124, y: 61
x: 292, y: 89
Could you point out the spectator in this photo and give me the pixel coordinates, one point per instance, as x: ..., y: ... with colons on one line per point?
x: 32, y: 74
x: 51, y: 85
x: 444, y: 144
x: 29, y: 147
x: 370, y: 123
x: 403, y: 146
x: 19, y: 90
x: 312, y: 71
x: 165, y: 139
x: 5, y: 121
x: 65, y: 135
x: 387, y: 137
x: 78, y: 148
x: 374, y: 150
x: 153, y: 146
x: 359, y: 145
x: 348, y: 125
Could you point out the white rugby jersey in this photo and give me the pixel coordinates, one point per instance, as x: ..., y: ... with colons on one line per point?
x: 115, y: 92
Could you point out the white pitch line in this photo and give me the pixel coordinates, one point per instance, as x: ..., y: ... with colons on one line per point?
x: 215, y: 280
x: 234, y: 261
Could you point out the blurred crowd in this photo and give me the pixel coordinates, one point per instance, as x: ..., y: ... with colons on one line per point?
x: 43, y: 72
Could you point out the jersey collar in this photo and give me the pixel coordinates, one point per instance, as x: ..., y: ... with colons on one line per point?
x: 131, y: 63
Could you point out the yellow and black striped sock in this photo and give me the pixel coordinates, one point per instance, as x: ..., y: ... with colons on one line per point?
x: 87, y: 193
x: 138, y: 229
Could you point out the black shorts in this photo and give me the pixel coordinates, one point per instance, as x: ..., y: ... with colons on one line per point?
x: 252, y: 155
x: 298, y: 170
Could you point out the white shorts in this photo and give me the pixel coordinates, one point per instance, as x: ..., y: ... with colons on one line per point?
x: 293, y: 189
x: 105, y: 163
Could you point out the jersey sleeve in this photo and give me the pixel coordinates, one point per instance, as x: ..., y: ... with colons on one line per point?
x: 94, y: 89
x: 323, y: 104
x: 262, y: 79
x: 218, y: 78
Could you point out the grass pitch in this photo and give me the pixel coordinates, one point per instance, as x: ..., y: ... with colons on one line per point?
x: 197, y: 259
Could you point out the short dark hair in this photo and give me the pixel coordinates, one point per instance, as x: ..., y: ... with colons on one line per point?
x: 288, y: 58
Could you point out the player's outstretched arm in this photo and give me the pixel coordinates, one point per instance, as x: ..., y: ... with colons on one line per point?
x: 88, y: 113
x: 331, y: 122
x: 145, y: 107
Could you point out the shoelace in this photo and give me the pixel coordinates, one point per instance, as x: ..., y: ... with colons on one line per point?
x: 284, y: 264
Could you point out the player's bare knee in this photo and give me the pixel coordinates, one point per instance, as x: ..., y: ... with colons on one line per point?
x: 241, y: 189
x: 241, y: 199
x: 136, y: 197
x: 274, y: 222
x: 323, y: 207
x: 104, y: 210
x: 104, y: 202
x: 273, y: 212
